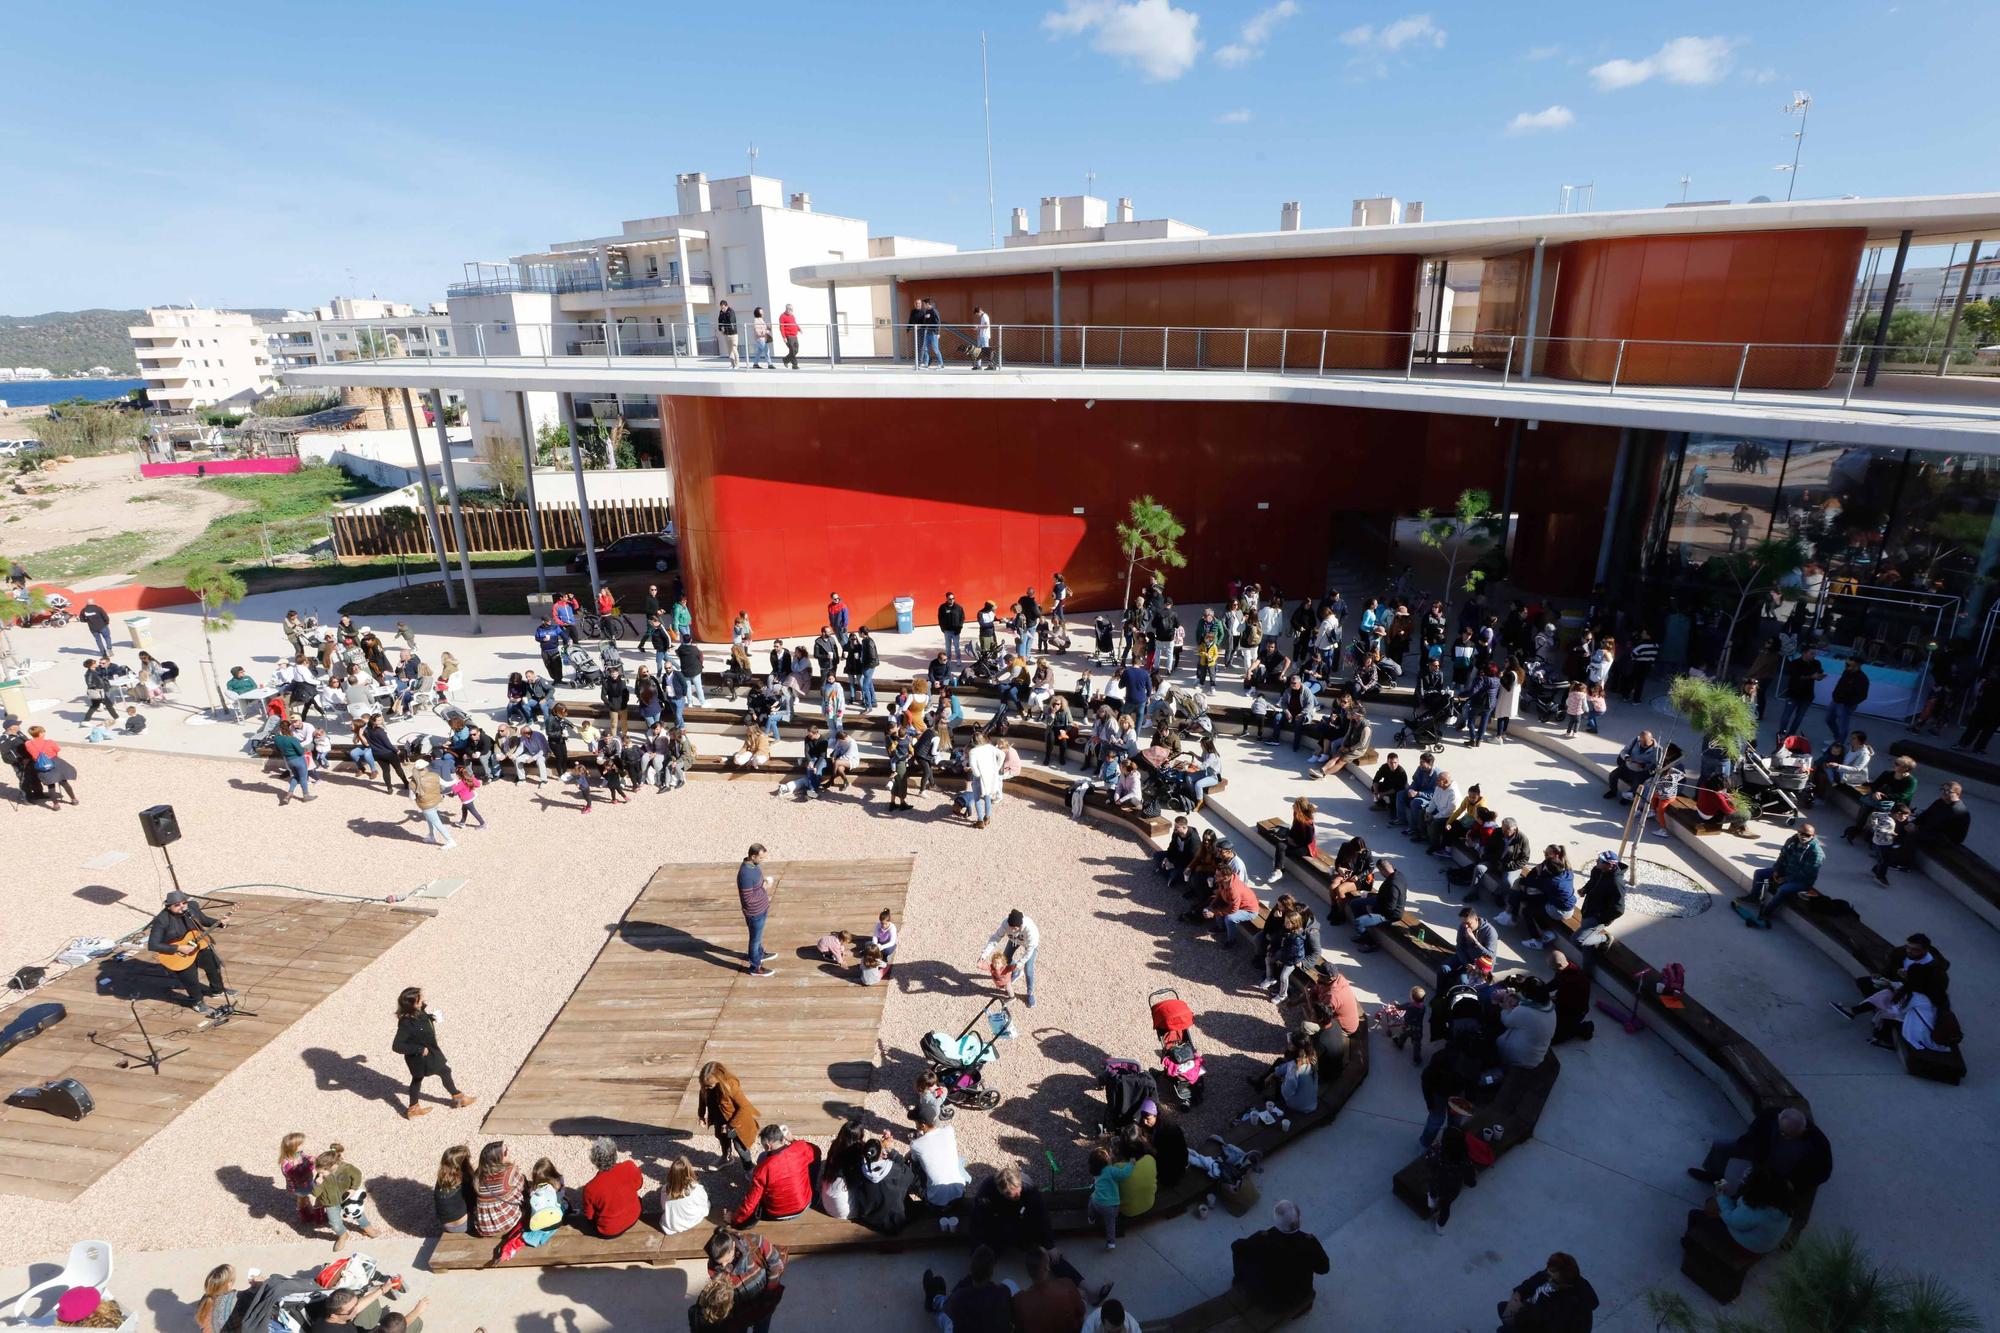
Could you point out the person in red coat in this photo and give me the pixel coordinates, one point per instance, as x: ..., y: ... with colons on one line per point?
x: 611, y: 1197
x: 782, y: 1184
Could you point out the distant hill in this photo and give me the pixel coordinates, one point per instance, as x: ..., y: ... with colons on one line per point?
x: 65, y: 341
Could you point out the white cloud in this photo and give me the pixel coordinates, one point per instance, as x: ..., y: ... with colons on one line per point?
x: 1151, y: 34
x: 1548, y: 118
x: 1685, y: 60
x: 1256, y: 33
x: 1413, y: 30
x: 1542, y: 52
x: 1241, y: 116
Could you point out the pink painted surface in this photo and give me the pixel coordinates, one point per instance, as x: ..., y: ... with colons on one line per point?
x: 220, y: 467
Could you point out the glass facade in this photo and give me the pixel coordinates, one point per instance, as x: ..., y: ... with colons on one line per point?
x: 1902, y: 546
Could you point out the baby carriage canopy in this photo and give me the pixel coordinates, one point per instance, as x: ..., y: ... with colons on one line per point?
x: 1126, y: 1086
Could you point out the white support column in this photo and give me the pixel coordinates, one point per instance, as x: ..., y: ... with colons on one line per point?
x: 430, y: 502
x: 687, y: 281
x: 528, y: 488
x: 832, y: 326
x: 457, y: 512
x: 1534, y: 312
x: 582, y: 495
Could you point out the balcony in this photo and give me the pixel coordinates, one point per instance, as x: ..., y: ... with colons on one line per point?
x: 160, y: 354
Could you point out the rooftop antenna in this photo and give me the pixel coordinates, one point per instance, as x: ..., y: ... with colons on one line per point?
x: 1089, y: 181
x: 1684, y: 188
x: 1800, y: 106
x: 753, y: 159
x: 986, y: 102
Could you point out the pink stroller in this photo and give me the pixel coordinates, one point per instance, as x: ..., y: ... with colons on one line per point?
x: 1173, y: 1024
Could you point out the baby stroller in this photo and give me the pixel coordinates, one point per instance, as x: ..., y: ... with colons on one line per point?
x: 587, y: 670
x: 1104, y: 645
x: 986, y: 665
x: 959, y: 1061
x: 1776, y: 788
x: 1052, y: 635
x: 1425, y: 727
x: 1126, y: 1086
x: 1545, y: 694
x: 1173, y: 1024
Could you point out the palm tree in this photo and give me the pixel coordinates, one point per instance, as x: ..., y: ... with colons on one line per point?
x: 1831, y: 1286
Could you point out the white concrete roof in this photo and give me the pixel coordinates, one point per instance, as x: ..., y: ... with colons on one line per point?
x: 1933, y: 219
x: 1908, y: 412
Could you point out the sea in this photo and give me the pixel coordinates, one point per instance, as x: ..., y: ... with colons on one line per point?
x: 35, y: 393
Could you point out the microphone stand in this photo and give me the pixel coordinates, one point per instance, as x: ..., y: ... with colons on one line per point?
x: 154, y: 1056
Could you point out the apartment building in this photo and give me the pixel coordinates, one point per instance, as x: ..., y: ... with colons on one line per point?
x: 192, y: 357
x: 654, y: 287
x: 349, y: 328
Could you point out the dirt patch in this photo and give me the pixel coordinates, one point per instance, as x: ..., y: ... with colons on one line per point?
x: 94, y: 500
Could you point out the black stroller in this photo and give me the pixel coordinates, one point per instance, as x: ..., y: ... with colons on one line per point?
x: 959, y: 1061
x: 1544, y: 693
x: 1425, y: 727
x: 1126, y: 1084
x: 1774, y: 791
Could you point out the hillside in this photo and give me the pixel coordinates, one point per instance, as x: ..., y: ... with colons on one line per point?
x: 69, y: 340
x: 73, y: 340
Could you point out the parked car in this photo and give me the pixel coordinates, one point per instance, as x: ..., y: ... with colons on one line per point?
x: 642, y: 550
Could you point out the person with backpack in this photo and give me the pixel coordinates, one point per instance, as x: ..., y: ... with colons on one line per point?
x: 50, y: 769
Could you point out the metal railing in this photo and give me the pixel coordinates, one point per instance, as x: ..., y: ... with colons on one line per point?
x: 1605, y: 365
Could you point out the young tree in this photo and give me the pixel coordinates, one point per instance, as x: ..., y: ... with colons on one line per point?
x: 1151, y: 539
x: 217, y: 589
x: 1757, y: 572
x: 1470, y: 527
x: 1717, y: 710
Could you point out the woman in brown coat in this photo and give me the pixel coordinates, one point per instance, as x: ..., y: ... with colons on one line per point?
x: 728, y: 1112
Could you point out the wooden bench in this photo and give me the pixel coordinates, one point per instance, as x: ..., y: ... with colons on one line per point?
x: 1231, y: 1312
x: 1513, y: 1113
x: 1954, y: 867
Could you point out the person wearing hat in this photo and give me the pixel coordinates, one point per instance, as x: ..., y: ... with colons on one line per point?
x: 177, y: 929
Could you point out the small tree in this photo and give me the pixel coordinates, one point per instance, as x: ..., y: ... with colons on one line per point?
x: 217, y: 589
x: 508, y: 469
x: 1831, y: 1286
x: 1470, y: 527
x: 1757, y: 572
x: 1151, y: 540
x: 552, y: 444
x: 1717, y: 710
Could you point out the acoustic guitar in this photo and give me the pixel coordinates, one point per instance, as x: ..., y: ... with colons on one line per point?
x: 180, y: 962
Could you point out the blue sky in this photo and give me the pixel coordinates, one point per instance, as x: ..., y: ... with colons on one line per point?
x: 241, y: 154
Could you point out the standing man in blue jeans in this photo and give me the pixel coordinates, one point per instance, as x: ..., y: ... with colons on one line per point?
x: 870, y: 660
x: 951, y: 624
x: 99, y: 625
x: 754, y: 891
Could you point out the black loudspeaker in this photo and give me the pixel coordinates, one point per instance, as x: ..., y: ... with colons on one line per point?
x: 27, y: 978
x: 160, y: 825
x: 64, y: 1097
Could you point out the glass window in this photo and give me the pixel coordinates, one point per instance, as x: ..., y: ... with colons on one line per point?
x: 1728, y: 489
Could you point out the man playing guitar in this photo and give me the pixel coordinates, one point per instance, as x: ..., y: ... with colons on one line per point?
x: 180, y: 938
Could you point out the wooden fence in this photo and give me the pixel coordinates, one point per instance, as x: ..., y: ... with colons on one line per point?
x: 388, y: 532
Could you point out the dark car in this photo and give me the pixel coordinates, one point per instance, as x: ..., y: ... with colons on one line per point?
x: 647, y: 550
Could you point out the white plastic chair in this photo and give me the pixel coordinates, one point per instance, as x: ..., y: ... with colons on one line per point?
x: 89, y: 1266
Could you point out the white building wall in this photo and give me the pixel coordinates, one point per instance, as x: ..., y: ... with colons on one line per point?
x: 198, y: 358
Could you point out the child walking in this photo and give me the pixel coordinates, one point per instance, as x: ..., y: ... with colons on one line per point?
x: 1598, y: 705
x: 579, y: 773
x: 1104, y: 1194
x: 614, y: 779
x: 1451, y: 1172
x: 465, y: 789
x: 295, y: 1164
x: 1575, y: 704
x: 1408, y: 1024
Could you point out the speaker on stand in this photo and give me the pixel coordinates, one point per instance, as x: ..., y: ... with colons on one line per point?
x: 161, y: 829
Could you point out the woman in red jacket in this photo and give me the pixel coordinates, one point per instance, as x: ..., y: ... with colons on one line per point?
x: 782, y: 1184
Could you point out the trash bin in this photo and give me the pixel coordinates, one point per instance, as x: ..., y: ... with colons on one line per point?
x: 906, y: 614
x: 541, y: 604
x: 137, y: 629
x: 13, y: 699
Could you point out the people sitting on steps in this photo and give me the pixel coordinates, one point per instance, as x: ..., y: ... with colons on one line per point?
x: 1909, y: 997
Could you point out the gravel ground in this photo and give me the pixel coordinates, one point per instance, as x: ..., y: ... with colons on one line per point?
x: 543, y: 885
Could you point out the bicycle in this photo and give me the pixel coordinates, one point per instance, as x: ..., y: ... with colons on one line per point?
x: 610, y: 629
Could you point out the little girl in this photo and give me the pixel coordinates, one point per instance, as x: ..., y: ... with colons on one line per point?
x: 465, y: 789
x: 873, y: 966
x: 1104, y: 1193
x: 613, y: 769
x: 1598, y: 705
x: 930, y: 1108
x: 295, y: 1165
x: 1575, y: 704
x: 1405, y: 1023
x: 885, y: 939
x: 580, y: 774
x: 834, y: 947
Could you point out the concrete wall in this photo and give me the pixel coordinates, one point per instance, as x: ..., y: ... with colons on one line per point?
x: 554, y: 487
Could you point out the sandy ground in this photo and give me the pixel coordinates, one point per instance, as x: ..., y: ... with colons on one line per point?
x: 498, y: 962
x: 92, y: 498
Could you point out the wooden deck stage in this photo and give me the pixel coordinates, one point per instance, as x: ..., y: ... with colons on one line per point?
x: 283, y: 956
x: 669, y: 992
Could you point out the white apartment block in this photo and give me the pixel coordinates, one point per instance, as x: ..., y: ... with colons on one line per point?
x: 1072, y: 219
x: 191, y: 357
x: 653, y: 289
x: 351, y: 328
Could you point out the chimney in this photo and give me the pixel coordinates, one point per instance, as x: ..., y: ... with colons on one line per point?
x: 692, y: 188
x: 1051, y: 213
x: 1019, y: 225
x: 1290, y: 215
x: 1125, y: 210
x: 802, y: 202
x: 1413, y: 211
